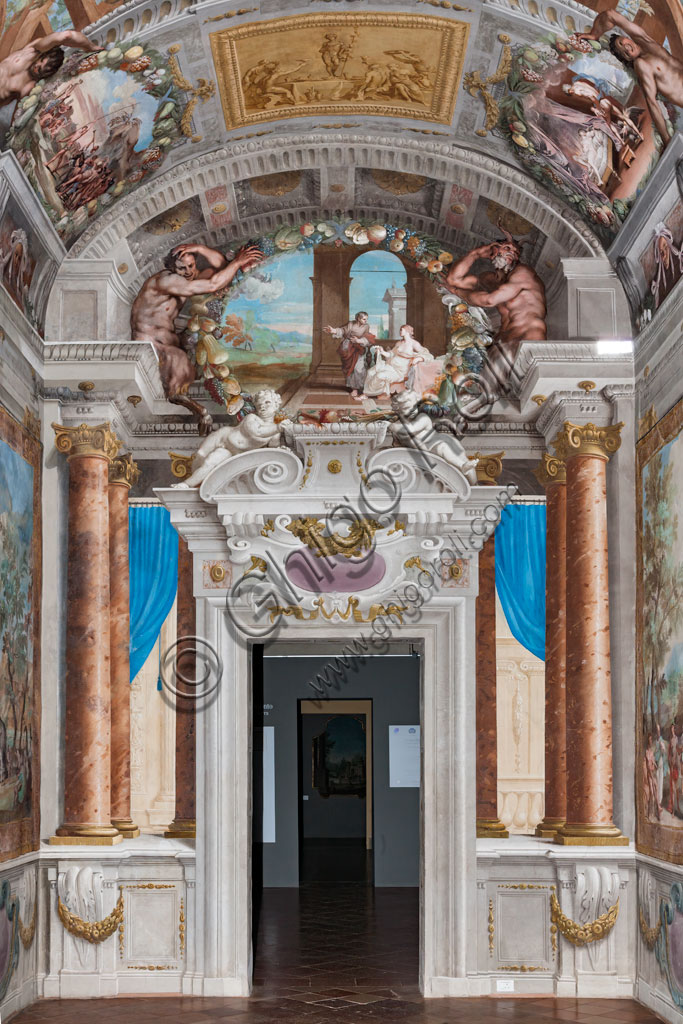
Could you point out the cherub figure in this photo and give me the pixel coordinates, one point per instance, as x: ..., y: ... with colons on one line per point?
x: 415, y: 430
x: 257, y: 430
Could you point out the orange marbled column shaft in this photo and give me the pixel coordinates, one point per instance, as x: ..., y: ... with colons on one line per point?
x: 121, y: 472
x: 589, y: 697
x: 87, y: 816
x: 487, y: 726
x: 589, y: 703
x: 184, y: 823
x: 555, y: 660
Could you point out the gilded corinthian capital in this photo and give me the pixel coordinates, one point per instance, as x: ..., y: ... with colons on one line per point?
x: 551, y: 470
x: 587, y: 439
x: 122, y: 470
x: 98, y: 440
x: 489, y: 467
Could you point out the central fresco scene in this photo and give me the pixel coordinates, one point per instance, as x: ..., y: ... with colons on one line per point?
x: 273, y: 325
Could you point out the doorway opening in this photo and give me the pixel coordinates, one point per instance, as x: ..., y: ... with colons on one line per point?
x: 336, y: 821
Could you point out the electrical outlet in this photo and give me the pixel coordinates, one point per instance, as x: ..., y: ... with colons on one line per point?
x: 505, y: 985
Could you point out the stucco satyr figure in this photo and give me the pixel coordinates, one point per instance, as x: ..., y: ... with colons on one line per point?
x: 257, y: 430
x: 160, y: 301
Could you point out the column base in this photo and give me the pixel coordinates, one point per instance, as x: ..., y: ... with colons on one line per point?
x: 86, y: 835
x: 590, y: 835
x: 491, y: 828
x: 181, y: 828
x: 549, y: 827
x: 127, y: 827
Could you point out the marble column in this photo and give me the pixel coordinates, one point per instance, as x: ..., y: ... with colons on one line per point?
x: 586, y: 449
x: 552, y: 474
x: 184, y: 825
x: 489, y: 468
x: 123, y: 473
x: 87, y: 755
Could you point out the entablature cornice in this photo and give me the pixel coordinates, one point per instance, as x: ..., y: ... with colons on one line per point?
x: 542, y: 368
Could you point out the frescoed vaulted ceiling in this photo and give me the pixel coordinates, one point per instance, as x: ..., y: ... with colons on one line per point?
x: 444, y: 101
x: 439, y: 126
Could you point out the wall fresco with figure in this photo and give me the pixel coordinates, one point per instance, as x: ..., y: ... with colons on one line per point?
x: 589, y: 114
x: 20, y: 570
x: 661, y: 263
x: 17, y: 257
x: 660, y: 639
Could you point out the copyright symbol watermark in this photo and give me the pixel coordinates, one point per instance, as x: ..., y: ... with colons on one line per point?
x: 191, y: 669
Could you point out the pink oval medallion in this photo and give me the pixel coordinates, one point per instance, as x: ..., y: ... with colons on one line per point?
x: 334, y: 574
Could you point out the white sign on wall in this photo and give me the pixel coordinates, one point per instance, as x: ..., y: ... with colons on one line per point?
x: 264, y: 785
x: 268, y: 784
x: 404, y: 756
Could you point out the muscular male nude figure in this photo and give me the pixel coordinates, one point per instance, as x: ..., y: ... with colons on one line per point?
x: 41, y: 58
x: 161, y: 299
x: 515, y: 290
x: 655, y: 68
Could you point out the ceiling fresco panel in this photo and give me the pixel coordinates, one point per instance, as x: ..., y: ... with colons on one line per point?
x: 411, y: 193
x: 590, y: 113
x: 286, y: 190
x: 392, y: 65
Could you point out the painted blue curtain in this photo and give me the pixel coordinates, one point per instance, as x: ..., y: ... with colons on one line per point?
x: 520, y: 573
x: 153, y: 555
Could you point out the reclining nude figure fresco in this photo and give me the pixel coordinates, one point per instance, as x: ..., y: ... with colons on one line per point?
x: 160, y: 301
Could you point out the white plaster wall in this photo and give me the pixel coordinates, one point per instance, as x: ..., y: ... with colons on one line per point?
x: 152, y: 740
x: 520, y: 707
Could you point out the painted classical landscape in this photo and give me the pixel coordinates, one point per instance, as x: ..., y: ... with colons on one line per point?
x: 19, y: 619
x: 661, y: 639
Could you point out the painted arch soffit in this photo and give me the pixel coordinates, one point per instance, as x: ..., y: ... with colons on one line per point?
x: 455, y: 193
x: 176, y: 82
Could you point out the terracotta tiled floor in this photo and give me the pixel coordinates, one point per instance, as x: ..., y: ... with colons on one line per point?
x: 346, y: 954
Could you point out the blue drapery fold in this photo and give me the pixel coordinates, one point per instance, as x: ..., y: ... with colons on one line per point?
x: 153, y: 559
x: 520, y: 573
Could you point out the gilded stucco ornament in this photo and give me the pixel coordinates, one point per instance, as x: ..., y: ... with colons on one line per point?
x: 309, y: 531
x: 647, y: 422
x: 123, y: 470
x: 489, y: 466
x: 583, y: 934
x: 202, y: 91
x: 257, y: 85
x: 85, y: 439
x: 650, y: 935
x: 27, y: 932
x: 181, y: 465
x: 351, y: 611
x: 92, y: 931
x: 587, y: 439
x: 474, y: 83
x: 551, y: 470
